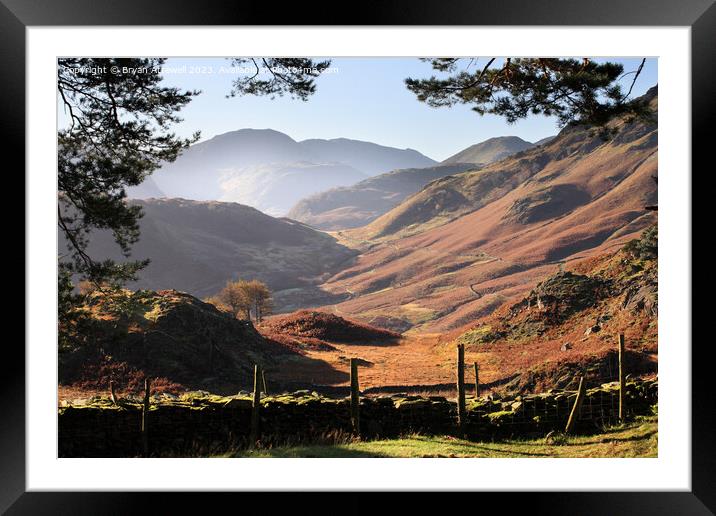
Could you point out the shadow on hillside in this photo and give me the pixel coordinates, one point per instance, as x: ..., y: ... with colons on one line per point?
x: 387, y: 342
x: 305, y: 297
x: 302, y: 372
x: 433, y: 387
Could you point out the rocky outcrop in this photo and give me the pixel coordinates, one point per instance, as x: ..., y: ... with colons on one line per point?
x: 562, y: 295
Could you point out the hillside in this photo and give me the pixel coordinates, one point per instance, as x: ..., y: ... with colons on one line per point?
x: 180, y: 341
x: 326, y: 327
x: 561, y: 327
x: 457, y: 249
x: 569, y: 321
x: 228, y: 165
x: 197, y: 246
x: 357, y: 205
x: 489, y: 151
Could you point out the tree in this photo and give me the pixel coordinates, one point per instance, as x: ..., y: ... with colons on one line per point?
x: 235, y: 297
x: 242, y: 298
x: 260, y: 297
x: 574, y: 91
x: 278, y: 76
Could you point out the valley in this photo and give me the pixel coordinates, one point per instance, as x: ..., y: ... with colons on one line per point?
x: 468, y: 242
x: 434, y: 256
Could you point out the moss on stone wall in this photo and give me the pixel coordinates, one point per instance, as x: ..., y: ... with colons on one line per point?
x: 203, y: 423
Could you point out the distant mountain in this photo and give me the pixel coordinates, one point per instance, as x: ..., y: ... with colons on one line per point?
x: 274, y: 189
x: 545, y: 140
x: 147, y: 189
x: 242, y: 165
x: 365, y: 156
x: 200, y: 171
x: 196, y: 246
x: 357, y: 205
x: 490, y: 150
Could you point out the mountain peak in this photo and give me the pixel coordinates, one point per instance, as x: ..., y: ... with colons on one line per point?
x: 271, y: 171
x: 490, y: 150
x: 251, y: 133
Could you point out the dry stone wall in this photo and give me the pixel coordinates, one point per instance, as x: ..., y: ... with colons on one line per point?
x: 203, y: 424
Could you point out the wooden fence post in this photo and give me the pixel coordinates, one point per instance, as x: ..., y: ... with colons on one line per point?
x: 575, y: 407
x: 461, y: 387
x: 355, y: 398
x: 477, y: 381
x: 255, y: 406
x: 263, y: 379
x: 112, y: 392
x: 145, y: 418
x: 621, y: 377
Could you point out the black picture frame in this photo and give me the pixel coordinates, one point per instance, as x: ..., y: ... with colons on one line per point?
x: 17, y: 15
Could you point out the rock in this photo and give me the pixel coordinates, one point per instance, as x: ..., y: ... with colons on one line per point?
x: 566, y: 346
x: 592, y: 329
x: 565, y: 294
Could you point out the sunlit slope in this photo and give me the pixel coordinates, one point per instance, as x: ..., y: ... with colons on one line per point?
x: 455, y: 250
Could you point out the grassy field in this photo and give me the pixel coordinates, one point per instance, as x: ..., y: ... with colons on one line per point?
x: 634, y: 439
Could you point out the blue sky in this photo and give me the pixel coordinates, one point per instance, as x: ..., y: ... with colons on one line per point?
x: 365, y: 99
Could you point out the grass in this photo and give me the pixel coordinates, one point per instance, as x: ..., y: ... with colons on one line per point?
x: 634, y: 439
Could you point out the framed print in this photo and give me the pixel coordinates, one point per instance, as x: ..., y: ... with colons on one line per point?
x: 428, y: 239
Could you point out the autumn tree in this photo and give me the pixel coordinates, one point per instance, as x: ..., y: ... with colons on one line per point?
x: 243, y: 298
x: 260, y: 296
x: 234, y: 299
x: 575, y: 91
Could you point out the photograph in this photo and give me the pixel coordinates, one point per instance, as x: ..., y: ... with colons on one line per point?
x: 357, y: 257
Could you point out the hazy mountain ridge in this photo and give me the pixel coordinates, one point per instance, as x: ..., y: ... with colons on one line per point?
x: 446, y: 255
x: 370, y: 158
x: 357, y: 205
x: 275, y: 188
x: 146, y: 190
x: 210, y: 170
x: 360, y: 204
